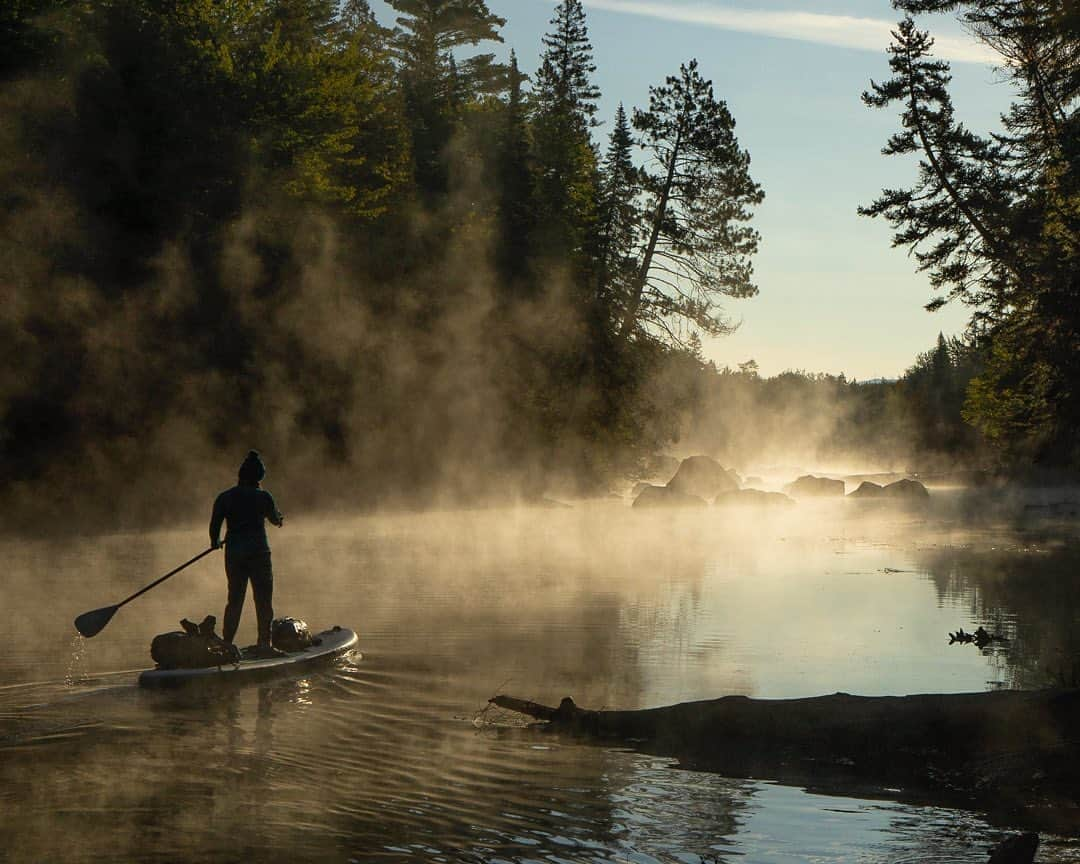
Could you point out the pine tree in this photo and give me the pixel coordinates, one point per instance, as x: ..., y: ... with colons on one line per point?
x: 961, y: 195
x: 620, y: 218
x: 564, y: 82
x: 355, y: 16
x: 515, y: 182
x: 428, y: 31
x: 1039, y: 51
x: 699, y: 245
x: 376, y: 159
x: 328, y: 114
x: 996, y: 221
x: 566, y: 160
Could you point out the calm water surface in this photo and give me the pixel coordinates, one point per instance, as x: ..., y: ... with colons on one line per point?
x: 393, y: 755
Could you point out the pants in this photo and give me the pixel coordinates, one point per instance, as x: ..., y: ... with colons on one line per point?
x: 257, y: 569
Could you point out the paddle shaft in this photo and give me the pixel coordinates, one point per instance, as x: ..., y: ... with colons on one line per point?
x: 171, y: 573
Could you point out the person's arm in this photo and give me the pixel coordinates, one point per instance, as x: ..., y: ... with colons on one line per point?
x: 272, y: 513
x: 216, y: 518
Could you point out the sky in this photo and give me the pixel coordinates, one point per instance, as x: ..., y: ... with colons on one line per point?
x: 834, y: 296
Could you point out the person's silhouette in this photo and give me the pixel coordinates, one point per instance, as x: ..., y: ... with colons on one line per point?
x: 245, y: 509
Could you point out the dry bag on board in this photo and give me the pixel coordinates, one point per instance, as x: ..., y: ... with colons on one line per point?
x: 291, y: 634
x: 197, y: 646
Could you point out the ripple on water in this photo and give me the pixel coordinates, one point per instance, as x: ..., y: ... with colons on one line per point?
x: 380, y: 757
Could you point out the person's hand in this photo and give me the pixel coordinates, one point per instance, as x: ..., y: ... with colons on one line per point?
x: 216, y: 544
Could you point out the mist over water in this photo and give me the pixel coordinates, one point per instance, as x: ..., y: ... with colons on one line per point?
x: 394, y: 755
x: 407, y: 275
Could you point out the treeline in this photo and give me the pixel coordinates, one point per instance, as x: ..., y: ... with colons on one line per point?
x: 994, y: 219
x: 385, y: 257
x: 804, y: 421
x: 398, y: 264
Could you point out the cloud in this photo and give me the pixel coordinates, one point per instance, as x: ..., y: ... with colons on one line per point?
x: 846, y: 31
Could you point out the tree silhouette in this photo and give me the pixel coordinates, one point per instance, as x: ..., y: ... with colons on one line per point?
x: 698, y: 195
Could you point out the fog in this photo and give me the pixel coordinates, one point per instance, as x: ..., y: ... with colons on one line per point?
x: 612, y: 605
x: 143, y: 360
x: 504, y: 567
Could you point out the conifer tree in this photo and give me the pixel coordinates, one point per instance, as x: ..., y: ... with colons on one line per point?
x: 329, y: 113
x: 620, y: 218
x: 566, y: 160
x: 564, y: 81
x: 1039, y: 50
x: 355, y: 16
x: 961, y: 194
x: 515, y: 181
x: 698, y: 196
x: 995, y: 221
x: 428, y: 31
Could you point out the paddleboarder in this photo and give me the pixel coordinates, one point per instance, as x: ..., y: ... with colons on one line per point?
x: 245, y: 509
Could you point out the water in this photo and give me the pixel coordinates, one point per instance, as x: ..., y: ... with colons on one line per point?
x: 395, y: 756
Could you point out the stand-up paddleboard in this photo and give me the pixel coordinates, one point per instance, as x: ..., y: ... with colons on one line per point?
x: 331, y: 643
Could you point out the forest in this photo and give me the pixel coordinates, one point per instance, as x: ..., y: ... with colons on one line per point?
x: 387, y: 255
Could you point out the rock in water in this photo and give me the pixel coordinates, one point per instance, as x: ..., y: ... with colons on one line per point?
x: 704, y: 477
x: 906, y: 490
x: 665, y: 496
x: 1018, y: 849
x: 867, y: 490
x: 810, y: 486
x: 901, y: 490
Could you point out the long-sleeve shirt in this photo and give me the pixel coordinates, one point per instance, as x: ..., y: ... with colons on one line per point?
x: 245, y: 510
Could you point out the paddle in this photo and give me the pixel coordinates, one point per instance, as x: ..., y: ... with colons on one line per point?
x: 91, y: 623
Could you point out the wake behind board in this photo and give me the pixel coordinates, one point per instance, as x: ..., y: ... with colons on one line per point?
x: 332, y: 643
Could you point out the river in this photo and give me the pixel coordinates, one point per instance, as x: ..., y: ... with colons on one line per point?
x: 393, y: 755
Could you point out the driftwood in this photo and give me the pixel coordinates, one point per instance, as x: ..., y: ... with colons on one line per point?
x: 980, y: 638
x: 1004, y: 747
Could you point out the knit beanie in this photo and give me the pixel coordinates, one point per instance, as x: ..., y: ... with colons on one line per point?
x: 252, y: 470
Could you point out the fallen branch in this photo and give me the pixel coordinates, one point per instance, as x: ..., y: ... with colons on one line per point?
x: 1018, y: 744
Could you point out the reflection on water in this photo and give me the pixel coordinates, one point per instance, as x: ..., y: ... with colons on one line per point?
x: 1030, y: 590
x: 380, y: 758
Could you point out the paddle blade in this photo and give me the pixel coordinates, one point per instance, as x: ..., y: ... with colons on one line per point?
x: 91, y: 623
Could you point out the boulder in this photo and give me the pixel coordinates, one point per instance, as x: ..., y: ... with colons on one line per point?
x: 867, y: 490
x: 753, y: 498
x: 704, y: 477
x: 905, y: 490
x: 809, y: 486
x: 665, y: 496
x: 879, y: 479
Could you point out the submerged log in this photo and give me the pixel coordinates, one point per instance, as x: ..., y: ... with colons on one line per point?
x: 1017, y: 744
